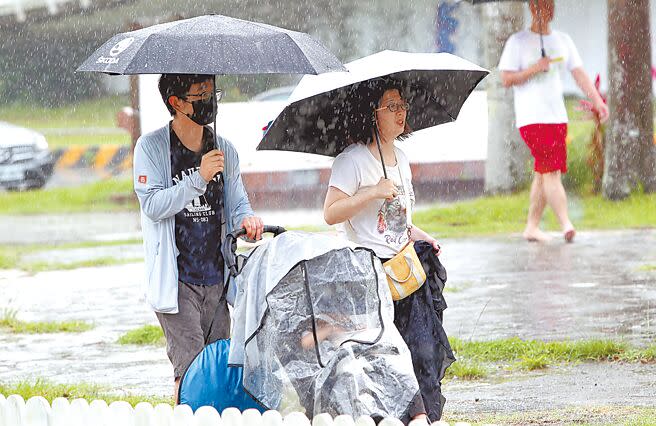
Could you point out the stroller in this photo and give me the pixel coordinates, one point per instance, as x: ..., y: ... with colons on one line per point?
x: 312, y: 332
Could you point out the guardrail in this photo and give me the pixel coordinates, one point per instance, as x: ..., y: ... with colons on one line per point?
x: 111, y: 158
x: 14, y: 411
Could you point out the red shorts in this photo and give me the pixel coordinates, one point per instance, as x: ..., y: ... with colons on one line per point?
x: 548, y: 146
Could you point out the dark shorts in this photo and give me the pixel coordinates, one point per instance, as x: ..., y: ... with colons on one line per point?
x: 202, y: 318
x: 548, y: 145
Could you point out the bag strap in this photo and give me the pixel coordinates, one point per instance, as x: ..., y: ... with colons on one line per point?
x: 411, y: 270
x: 408, y: 213
x: 380, y: 150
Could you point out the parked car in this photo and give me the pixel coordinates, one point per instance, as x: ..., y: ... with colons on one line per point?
x: 277, y: 94
x: 25, y: 160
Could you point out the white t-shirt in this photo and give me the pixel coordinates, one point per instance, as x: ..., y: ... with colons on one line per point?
x: 540, y: 99
x: 380, y: 225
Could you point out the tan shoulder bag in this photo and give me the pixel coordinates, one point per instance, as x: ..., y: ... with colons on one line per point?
x: 405, y: 275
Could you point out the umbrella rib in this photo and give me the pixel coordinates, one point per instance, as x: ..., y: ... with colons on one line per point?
x: 468, y: 94
x: 303, y: 55
x: 286, y: 32
x: 445, y: 111
x: 126, y: 72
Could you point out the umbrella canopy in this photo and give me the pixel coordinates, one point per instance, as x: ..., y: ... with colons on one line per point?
x: 327, y: 111
x: 212, y: 44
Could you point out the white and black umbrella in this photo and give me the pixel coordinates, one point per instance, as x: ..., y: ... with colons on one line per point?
x: 212, y: 44
x: 328, y: 111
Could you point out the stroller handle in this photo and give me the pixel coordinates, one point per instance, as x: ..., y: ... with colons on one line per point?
x: 230, y: 245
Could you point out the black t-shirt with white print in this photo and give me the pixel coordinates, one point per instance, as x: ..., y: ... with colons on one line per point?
x: 198, y: 225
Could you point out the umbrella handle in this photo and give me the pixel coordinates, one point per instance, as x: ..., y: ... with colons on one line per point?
x: 544, y: 53
x: 215, y: 106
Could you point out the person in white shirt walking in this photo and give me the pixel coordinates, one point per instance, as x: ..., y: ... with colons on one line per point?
x: 540, y: 112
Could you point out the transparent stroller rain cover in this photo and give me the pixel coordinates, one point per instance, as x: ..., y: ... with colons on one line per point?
x: 300, y: 288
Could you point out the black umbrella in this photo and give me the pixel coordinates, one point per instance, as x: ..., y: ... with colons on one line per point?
x: 330, y: 111
x: 212, y: 44
x: 544, y: 53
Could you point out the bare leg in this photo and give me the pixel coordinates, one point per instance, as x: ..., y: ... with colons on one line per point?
x: 537, y: 203
x: 423, y: 417
x: 557, y: 200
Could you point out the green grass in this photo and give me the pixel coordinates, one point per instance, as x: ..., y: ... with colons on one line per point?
x: 580, y: 415
x: 11, y: 323
x: 90, y: 392
x: 505, y: 214
x: 146, y: 335
x: 531, y: 363
x: 578, y: 178
x: 34, y: 267
x: 73, y: 245
x: 12, y: 256
x: 529, y: 355
x: 467, y: 370
x: 457, y: 287
x: 102, y: 196
x: 58, y: 140
x: 514, y: 349
x: 90, y: 113
x: 647, y: 268
x: 637, y: 211
x: 59, y: 125
x: 643, y: 355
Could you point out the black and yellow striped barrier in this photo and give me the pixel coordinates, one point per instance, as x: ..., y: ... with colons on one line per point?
x: 112, y: 158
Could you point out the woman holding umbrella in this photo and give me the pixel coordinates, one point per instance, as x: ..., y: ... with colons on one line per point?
x: 372, y: 212
x: 356, y: 117
x: 371, y: 206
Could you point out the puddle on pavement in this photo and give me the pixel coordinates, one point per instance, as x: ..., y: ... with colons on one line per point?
x: 553, y: 291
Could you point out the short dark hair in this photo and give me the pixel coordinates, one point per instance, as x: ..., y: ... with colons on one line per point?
x: 360, y: 130
x: 178, y: 85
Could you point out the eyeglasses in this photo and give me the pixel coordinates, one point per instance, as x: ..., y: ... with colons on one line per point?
x: 395, y: 107
x: 205, y: 96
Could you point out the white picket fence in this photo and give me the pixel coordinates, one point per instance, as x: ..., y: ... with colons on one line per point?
x: 14, y: 411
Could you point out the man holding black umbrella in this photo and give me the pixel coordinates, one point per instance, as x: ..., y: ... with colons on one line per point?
x: 531, y: 63
x: 187, y: 196
x: 187, y: 177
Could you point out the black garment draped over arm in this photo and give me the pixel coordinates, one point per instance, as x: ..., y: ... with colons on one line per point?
x: 419, y: 320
